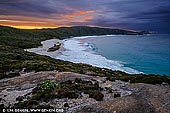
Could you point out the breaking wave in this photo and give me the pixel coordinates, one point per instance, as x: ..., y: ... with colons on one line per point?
x: 86, y: 53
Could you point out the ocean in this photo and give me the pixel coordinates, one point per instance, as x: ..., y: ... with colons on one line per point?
x: 149, y: 54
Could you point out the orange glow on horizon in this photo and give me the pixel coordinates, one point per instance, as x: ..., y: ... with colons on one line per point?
x: 31, y: 27
x: 25, y: 22
x: 28, y: 22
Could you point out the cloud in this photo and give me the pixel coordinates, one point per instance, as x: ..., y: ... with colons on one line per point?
x: 12, y: 1
x: 107, y: 13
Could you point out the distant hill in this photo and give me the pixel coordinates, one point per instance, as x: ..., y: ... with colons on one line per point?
x: 31, y: 38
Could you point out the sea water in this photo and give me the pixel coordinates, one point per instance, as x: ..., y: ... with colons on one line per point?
x: 148, y: 54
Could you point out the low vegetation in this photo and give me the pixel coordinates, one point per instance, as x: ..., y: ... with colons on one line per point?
x: 96, y: 95
x: 14, y: 60
x: 48, y: 90
x: 144, y: 78
x: 32, y: 38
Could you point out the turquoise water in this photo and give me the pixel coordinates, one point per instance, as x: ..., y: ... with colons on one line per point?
x: 147, y: 53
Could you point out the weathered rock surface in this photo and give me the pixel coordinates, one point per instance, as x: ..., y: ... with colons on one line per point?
x: 148, y: 99
x: 135, y: 98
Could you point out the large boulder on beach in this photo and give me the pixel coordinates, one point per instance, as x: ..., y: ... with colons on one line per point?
x: 54, y: 48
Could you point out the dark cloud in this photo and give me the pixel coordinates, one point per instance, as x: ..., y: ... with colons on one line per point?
x: 12, y: 1
x: 160, y: 14
x: 133, y: 14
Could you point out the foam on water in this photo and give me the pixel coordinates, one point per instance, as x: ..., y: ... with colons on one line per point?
x: 90, y: 46
x: 78, y: 53
x: 83, y: 37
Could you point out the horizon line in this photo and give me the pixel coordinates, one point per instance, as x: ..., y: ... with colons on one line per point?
x: 34, y: 28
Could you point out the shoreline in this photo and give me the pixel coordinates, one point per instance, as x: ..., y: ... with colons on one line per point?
x: 72, y: 50
x: 43, y: 50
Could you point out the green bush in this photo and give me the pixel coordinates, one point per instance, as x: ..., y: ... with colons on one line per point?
x: 2, y: 75
x: 78, y: 80
x: 117, y: 95
x: 96, y: 95
x: 44, y: 95
x: 47, y: 85
x: 67, y: 94
x: 13, y: 74
x: 95, y: 86
x: 26, y: 104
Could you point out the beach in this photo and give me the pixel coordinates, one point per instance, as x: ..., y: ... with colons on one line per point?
x: 74, y: 50
x: 46, y: 45
x: 116, y: 52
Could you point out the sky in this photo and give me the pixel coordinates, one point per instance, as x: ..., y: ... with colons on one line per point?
x: 152, y: 15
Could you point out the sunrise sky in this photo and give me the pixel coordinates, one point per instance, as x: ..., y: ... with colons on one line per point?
x: 152, y: 15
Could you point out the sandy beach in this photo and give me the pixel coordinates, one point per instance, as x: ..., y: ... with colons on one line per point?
x: 74, y: 51
x: 43, y: 50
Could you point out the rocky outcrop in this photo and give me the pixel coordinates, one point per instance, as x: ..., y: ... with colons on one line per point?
x: 147, y: 99
x: 54, y: 48
x: 119, y: 96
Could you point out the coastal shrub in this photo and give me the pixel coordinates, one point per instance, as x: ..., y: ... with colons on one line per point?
x: 68, y: 82
x: 151, y: 79
x: 35, y: 90
x: 124, y: 78
x: 96, y: 95
x: 31, y: 102
x: 49, y: 96
x: 101, y: 74
x: 82, y: 85
x: 38, y: 67
x: 20, y: 105
x: 87, y: 91
x: 9, y: 75
x: 78, y: 80
x: 47, y: 85
x: 26, y: 104
x: 88, y: 82
x: 67, y: 94
x: 2, y: 75
x: 13, y: 74
x: 111, y: 79
x: 95, y: 86
x: 79, y: 70
x: 117, y: 95
x: 38, y: 96
x: 42, y: 94
x: 57, y: 87
x: 19, y: 98
x: 85, y: 87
